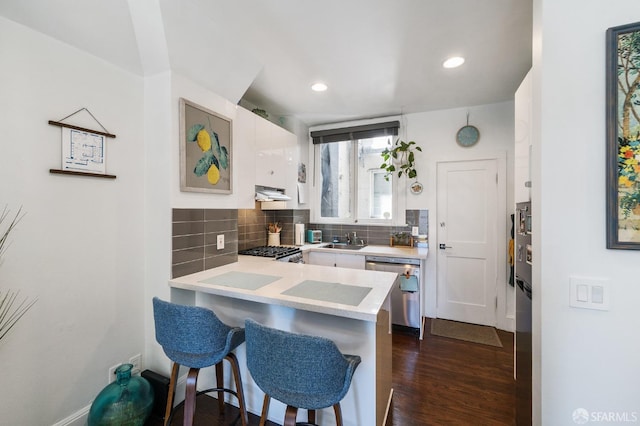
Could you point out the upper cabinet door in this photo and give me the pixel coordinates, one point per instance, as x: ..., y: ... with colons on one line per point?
x: 276, y: 157
x: 244, y: 160
x: 522, y: 154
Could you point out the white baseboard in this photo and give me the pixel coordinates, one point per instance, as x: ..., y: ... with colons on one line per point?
x: 79, y: 418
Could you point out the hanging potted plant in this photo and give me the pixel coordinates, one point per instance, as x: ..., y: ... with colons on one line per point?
x: 400, y: 158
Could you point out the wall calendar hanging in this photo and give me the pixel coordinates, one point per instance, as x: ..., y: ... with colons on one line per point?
x: 83, y: 150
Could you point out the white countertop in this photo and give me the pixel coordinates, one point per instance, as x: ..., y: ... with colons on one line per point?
x: 290, y: 275
x: 373, y: 250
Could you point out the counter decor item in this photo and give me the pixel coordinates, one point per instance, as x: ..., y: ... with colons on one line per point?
x: 401, y: 239
x: 299, y: 234
x: 205, y: 150
x: 274, y: 234
x: 400, y: 154
x: 623, y: 139
x: 127, y: 401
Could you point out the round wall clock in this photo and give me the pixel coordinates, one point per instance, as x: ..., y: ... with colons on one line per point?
x: 467, y: 136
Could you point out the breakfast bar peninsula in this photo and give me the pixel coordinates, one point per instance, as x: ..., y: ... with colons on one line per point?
x: 349, y: 306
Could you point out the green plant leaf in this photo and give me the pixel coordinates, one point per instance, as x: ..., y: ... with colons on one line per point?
x: 403, y: 158
x: 224, y: 157
x: 192, y: 133
x: 216, y: 146
x: 202, y: 167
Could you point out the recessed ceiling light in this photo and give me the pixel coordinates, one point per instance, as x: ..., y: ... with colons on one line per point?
x: 453, y: 62
x: 319, y: 87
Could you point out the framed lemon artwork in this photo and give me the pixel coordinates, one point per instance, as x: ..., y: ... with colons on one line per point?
x: 205, y: 150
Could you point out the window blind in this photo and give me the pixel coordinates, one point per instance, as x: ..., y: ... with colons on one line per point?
x: 389, y: 128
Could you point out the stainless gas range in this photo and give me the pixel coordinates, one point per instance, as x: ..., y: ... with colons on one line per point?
x: 279, y: 253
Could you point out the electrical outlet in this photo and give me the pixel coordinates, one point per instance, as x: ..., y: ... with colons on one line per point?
x: 112, y: 373
x: 220, y: 242
x: 136, y: 361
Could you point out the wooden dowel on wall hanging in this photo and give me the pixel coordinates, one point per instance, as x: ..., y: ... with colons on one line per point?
x: 69, y: 126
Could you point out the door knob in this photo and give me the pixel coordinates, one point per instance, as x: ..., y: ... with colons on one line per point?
x: 444, y: 246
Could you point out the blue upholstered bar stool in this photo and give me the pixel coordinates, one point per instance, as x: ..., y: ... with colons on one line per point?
x: 194, y: 337
x: 298, y: 370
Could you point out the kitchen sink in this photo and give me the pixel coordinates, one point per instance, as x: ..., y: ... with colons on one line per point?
x: 343, y: 246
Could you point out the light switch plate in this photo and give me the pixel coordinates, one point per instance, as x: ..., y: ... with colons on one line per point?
x: 220, y: 244
x: 590, y: 293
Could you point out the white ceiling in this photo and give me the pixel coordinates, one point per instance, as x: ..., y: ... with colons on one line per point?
x: 378, y: 57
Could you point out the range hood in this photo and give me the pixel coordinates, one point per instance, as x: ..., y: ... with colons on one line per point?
x: 271, y: 198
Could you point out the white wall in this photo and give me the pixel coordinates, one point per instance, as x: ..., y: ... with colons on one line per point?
x: 583, y: 358
x: 435, y: 133
x: 80, y: 248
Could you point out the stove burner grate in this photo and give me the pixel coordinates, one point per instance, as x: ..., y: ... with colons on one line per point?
x: 270, y: 251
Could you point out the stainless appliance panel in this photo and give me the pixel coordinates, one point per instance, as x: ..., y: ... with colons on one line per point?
x: 405, y: 305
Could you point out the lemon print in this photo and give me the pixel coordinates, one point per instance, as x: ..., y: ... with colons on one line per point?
x: 204, y: 140
x: 213, y: 175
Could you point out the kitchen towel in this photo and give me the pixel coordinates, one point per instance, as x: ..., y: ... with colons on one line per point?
x: 409, y: 283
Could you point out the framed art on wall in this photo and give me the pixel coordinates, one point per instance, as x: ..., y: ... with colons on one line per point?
x: 623, y: 137
x: 205, y: 150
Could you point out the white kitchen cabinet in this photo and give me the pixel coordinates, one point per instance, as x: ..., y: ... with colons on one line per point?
x: 340, y: 260
x: 244, y: 162
x: 523, y: 129
x: 276, y: 156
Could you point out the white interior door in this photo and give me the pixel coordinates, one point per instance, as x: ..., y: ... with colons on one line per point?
x: 467, y: 219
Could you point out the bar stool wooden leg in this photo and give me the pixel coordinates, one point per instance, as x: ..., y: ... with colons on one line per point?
x: 190, y: 396
x: 338, y: 411
x: 311, y: 416
x: 235, y: 368
x: 220, y: 385
x: 290, y: 416
x: 265, y: 410
x: 172, y: 392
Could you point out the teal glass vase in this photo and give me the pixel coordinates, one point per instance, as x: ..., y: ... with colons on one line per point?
x: 126, y: 402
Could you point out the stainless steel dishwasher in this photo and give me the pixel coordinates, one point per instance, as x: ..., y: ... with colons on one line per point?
x: 405, y: 296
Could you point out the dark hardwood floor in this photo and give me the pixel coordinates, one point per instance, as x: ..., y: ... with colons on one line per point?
x: 437, y: 381
x: 442, y: 381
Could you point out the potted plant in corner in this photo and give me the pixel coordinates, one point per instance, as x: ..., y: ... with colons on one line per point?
x: 400, y: 158
x: 11, y: 308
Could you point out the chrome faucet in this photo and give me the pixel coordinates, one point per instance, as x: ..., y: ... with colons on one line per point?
x: 354, y: 239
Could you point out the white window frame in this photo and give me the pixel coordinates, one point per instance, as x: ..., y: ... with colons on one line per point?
x: 398, y: 197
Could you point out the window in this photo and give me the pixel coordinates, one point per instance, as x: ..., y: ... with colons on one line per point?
x: 352, y: 187
x: 381, y: 195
